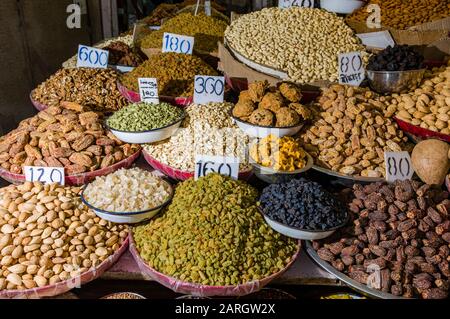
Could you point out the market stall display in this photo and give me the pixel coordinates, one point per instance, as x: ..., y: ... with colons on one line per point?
x: 48, y: 239
x: 272, y: 38
x: 122, y: 54
x: 399, y: 230
x: 96, y: 88
x: 219, y: 249
x: 70, y: 136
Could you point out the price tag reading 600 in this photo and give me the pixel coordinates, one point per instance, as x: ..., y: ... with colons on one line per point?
x: 398, y: 166
x: 228, y: 166
x: 92, y: 58
x: 177, y: 43
x: 47, y: 175
x: 208, y: 89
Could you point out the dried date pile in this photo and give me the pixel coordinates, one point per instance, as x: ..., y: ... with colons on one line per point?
x: 402, y: 229
x: 68, y: 135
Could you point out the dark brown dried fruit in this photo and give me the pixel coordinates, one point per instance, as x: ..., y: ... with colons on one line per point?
x: 434, y: 215
x: 325, y: 254
x: 377, y: 250
x: 359, y: 276
x: 406, y: 225
x: 434, y: 293
x: 350, y: 251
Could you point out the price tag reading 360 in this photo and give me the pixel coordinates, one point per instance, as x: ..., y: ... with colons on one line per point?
x: 351, y: 68
x: 208, y: 89
x: 148, y: 90
x: 92, y: 58
x: 177, y: 43
x: 47, y: 175
x: 398, y: 166
x: 228, y: 166
x: 295, y: 3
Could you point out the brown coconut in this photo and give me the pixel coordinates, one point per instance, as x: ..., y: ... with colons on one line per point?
x: 430, y: 160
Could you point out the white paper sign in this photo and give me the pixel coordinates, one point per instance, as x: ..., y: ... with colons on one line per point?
x: 351, y: 68
x: 154, y: 27
x: 177, y: 43
x: 398, y: 166
x: 296, y: 3
x: 148, y: 90
x: 89, y: 57
x: 47, y: 175
x: 121, y: 68
x: 208, y: 8
x: 377, y: 40
x: 208, y: 89
x: 205, y: 164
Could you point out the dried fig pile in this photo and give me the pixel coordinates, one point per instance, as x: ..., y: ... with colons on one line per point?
x: 400, y: 233
x: 69, y: 135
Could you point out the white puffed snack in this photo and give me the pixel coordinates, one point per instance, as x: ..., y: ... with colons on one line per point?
x: 128, y: 190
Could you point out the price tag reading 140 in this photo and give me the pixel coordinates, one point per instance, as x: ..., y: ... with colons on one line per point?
x: 47, y: 175
x: 228, y: 166
x: 398, y: 166
x: 351, y: 68
x: 92, y: 58
x: 177, y: 43
x: 295, y: 3
x: 208, y: 89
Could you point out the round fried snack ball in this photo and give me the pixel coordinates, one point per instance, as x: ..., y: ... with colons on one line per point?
x: 243, y: 109
x: 286, y: 117
x: 245, y: 96
x: 257, y: 90
x: 262, y: 117
x: 301, y: 110
x: 272, y: 102
x: 290, y: 91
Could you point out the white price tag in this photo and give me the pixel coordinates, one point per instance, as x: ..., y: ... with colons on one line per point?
x: 92, y: 58
x: 205, y: 164
x: 154, y: 27
x: 351, y: 68
x: 208, y: 89
x: 47, y: 175
x: 398, y: 166
x: 148, y: 90
x: 377, y: 40
x: 177, y: 43
x: 121, y: 68
x: 208, y: 8
x: 295, y: 3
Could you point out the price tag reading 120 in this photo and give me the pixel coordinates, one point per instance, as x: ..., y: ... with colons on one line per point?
x: 92, y: 58
x: 148, y: 90
x: 351, y: 68
x: 47, y: 175
x: 228, y: 166
x: 296, y: 3
x: 177, y: 43
x: 208, y: 89
x: 398, y: 166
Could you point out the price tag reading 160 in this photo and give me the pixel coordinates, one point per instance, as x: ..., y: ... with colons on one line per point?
x: 398, y: 166
x: 177, y: 43
x: 228, y: 166
x: 208, y: 89
x: 92, y: 58
x: 47, y: 175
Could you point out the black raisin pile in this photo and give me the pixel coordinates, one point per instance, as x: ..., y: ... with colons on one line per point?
x: 302, y: 204
x: 396, y: 58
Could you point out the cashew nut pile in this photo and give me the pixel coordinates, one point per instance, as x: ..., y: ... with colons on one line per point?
x: 303, y: 42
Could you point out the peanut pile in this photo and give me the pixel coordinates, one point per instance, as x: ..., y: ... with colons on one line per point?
x: 69, y: 136
x: 47, y: 236
x: 350, y: 133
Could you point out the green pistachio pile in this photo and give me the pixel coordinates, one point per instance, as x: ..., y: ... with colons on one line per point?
x: 139, y: 117
x: 212, y: 234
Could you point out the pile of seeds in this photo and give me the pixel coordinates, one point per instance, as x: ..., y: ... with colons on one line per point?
x: 212, y: 234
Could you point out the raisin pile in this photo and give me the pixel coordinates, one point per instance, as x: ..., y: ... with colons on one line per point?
x: 396, y: 58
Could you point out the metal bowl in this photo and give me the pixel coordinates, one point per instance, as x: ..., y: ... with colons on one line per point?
x: 395, y: 81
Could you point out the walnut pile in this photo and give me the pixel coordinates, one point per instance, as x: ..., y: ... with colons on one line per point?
x: 400, y: 234
x: 68, y: 135
x: 350, y: 133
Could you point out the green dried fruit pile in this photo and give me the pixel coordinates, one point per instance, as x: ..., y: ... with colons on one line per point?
x: 212, y: 234
x: 175, y: 73
x: 206, y: 30
x: 143, y: 117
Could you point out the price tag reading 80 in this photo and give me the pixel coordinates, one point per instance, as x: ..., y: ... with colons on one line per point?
x: 296, y: 3
x: 177, y: 43
x: 92, y: 58
x: 398, y: 166
x: 208, y: 89
x: 228, y: 166
x: 47, y: 175
x: 351, y: 68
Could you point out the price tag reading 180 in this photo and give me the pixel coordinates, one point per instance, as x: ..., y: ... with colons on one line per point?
x: 148, y: 90
x: 47, y: 175
x: 228, y: 166
x: 295, y: 3
x: 208, y: 89
x: 351, y: 68
x: 92, y: 58
x: 398, y: 166
x: 177, y: 43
